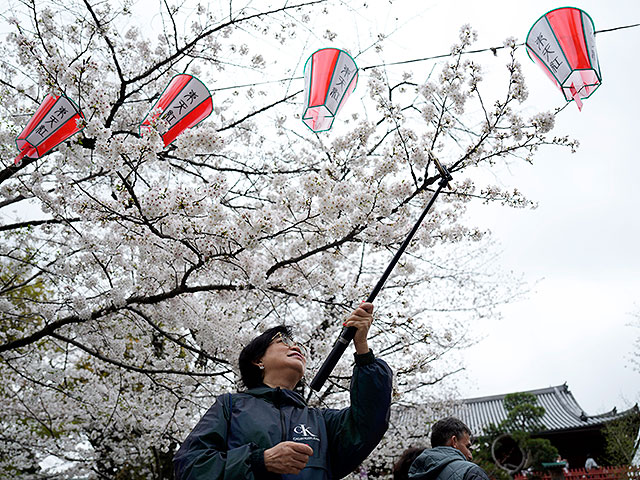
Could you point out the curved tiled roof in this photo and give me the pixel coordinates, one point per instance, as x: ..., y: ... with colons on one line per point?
x: 562, y: 412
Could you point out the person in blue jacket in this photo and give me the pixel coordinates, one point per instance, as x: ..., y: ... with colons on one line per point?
x: 269, y: 432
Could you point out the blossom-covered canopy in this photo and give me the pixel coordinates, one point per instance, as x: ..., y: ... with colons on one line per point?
x: 562, y: 42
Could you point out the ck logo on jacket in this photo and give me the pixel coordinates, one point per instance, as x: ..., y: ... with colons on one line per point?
x: 302, y: 433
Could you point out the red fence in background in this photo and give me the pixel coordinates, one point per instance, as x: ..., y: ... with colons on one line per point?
x: 603, y: 473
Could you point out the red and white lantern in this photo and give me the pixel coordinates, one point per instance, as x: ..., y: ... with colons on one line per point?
x: 183, y: 104
x: 563, y: 43
x: 330, y: 75
x: 55, y: 120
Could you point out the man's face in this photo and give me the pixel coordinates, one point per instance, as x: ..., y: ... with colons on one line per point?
x: 462, y: 443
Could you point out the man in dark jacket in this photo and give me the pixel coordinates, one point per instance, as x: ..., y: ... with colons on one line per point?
x: 450, y: 458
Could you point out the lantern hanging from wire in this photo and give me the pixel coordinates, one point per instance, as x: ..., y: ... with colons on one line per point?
x: 56, y: 119
x: 563, y: 43
x: 184, y: 103
x: 330, y: 76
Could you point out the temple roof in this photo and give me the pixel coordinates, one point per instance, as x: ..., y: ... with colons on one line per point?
x: 562, y: 412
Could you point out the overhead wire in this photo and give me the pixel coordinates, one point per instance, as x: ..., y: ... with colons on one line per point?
x: 493, y: 50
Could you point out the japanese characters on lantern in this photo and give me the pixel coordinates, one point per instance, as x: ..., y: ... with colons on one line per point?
x: 55, y: 120
x: 183, y: 104
x: 330, y: 75
x: 562, y: 42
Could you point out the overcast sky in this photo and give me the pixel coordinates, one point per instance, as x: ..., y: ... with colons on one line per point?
x: 579, y: 248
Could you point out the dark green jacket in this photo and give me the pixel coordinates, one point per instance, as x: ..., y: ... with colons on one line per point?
x: 226, y: 445
x: 445, y: 463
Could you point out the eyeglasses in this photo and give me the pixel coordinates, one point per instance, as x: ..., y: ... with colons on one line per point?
x: 289, y: 342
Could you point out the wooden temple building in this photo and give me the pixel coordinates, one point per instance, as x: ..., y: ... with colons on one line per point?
x: 566, y: 425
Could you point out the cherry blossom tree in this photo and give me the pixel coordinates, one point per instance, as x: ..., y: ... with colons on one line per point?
x: 131, y: 274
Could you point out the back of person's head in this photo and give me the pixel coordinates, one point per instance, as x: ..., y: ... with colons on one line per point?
x: 250, y: 373
x: 444, y: 429
x: 401, y: 467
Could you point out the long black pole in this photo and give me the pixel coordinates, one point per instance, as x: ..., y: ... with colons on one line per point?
x: 348, y: 333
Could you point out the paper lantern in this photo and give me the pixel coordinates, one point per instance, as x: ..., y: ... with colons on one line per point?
x: 55, y: 120
x: 330, y: 75
x: 563, y: 43
x: 183, y: 104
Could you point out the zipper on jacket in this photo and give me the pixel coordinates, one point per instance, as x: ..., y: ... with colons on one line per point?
x: 284, y: 434
x: 279, y: 405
